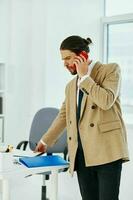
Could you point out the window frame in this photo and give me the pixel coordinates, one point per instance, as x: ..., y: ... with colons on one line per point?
x: 105, y: 22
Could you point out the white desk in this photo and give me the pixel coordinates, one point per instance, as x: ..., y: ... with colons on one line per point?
x: 9, y: 170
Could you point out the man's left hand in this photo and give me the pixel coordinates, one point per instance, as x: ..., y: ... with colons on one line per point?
x: 82, y: 65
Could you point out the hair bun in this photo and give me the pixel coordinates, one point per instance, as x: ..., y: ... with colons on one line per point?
x: 89, y: 41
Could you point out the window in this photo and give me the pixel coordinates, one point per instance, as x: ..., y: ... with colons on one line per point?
x: 118, y: 7
x: 118, y: 47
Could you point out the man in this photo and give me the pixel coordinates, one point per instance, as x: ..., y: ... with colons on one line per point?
x: 97, y: 142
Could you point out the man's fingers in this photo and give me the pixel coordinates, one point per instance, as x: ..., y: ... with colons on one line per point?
x: 41, y: 147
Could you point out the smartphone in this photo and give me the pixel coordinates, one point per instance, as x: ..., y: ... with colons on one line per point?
x: 83, y: 53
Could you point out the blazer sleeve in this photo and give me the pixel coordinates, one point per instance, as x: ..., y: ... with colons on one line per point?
x: 105, y: 94
x: 56, y: 128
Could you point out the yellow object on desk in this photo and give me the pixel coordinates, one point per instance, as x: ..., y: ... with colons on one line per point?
x: 7, y: 149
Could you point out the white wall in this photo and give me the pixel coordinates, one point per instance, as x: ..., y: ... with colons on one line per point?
x: 32, y: 31
x: 65, y: 18
x: 24, y: 54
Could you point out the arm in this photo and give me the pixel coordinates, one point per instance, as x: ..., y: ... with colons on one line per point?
x: 56, y: 127
x: 104, y: 95
x: 54, y: 131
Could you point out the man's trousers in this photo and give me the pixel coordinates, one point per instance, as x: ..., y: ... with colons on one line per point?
x: 98, y: 182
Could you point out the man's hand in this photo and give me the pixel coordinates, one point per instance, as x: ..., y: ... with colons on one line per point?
x: 41, y: 147
x: 82, y: 65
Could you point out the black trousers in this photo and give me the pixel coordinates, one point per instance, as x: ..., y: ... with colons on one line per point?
x: 98, y: 182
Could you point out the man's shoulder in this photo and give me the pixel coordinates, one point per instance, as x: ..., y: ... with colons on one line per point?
x: 107, y: 67
x: 72, y: 81
x: 70, y: 84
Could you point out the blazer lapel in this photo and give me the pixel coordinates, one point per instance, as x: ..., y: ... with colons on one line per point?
x: 83, y: 104
x: 93, y: 76
x: 74, y: 96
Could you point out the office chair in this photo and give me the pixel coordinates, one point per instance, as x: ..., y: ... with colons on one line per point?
x: 40, y: 124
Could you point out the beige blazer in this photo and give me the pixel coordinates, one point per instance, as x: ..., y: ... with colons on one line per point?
x: 101, y: 127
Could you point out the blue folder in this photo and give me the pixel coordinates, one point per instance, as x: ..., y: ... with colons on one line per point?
x: 42, y: 161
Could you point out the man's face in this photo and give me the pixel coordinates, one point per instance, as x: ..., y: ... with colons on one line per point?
x: 68, y: 58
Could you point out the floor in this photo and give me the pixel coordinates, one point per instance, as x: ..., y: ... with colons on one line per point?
x: 30, y: 188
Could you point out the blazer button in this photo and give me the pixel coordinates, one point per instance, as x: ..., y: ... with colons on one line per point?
x: 93, y: 107
x: 70, y: 138
x: 91, y: 125
x: 86, y: 92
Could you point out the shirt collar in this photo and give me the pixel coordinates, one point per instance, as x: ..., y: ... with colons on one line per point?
x: 91, y: 65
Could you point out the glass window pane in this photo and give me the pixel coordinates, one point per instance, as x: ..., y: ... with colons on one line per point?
x: 118, y: 7
x: 120, y: 50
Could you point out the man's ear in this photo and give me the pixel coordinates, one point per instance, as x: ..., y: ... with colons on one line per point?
x: 89, y: 59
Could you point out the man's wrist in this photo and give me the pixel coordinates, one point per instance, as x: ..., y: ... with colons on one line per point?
x: 43, y: 142
x: 84, y: 77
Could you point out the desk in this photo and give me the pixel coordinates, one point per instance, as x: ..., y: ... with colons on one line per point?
x: 9, y: 170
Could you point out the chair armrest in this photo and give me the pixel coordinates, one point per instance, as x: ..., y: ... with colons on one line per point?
x: 65, y: 153
x: 22, y: 145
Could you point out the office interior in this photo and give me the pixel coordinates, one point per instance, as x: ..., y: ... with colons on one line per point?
x: 32, y: 75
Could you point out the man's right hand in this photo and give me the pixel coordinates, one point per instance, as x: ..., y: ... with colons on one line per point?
x: 41, y: 147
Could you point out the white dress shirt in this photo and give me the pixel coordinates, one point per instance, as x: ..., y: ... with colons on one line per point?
x: 84, y: 77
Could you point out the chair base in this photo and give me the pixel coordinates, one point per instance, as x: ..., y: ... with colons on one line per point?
x: 44, y: 197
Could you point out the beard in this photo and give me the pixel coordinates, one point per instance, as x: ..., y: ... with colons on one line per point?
x: 72, y: 70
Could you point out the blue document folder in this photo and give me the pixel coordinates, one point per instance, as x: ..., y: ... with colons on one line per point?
x: 42, y: 161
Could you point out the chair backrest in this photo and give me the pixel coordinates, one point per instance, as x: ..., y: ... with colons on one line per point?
x: 41, y: 122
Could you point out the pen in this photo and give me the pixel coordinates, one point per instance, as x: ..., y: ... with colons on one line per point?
x: 28, y: 156
x: 40, y: 154
x: 19, y: 156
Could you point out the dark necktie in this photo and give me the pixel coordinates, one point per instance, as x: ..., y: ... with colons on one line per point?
x: 78, y: 116
x: 79, y: 104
